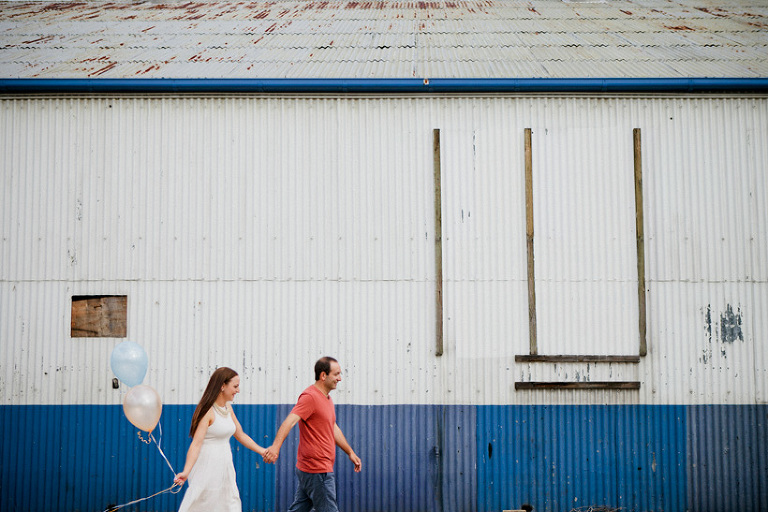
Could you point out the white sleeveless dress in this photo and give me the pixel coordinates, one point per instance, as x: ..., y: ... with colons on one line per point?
x: 212, y: 482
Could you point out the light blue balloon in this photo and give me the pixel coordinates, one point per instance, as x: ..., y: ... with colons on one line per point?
x: 129, y: 363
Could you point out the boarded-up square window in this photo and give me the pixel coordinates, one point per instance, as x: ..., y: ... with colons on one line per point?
x: 99, y: 316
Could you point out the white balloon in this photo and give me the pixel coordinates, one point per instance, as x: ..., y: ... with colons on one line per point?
x: 129, y: 363
x: 142, y: 407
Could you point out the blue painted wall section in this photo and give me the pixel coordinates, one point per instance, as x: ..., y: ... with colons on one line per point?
x: 415, y: 457
x: 556, y: 458
x: 727, y: 457
x: 85, y: 458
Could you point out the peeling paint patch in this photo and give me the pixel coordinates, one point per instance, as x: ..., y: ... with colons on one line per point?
x: 730, y: 325
x: 727, y: 330
x: 706, y: 354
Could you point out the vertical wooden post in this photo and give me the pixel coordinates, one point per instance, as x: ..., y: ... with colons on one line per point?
x: 640, y: 239
x: 438, y: 244
x: 529, y: 242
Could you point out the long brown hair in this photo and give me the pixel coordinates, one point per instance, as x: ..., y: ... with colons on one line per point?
x: 219, y: 378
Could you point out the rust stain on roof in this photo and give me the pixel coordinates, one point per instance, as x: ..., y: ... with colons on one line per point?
x: 363, y: 28
x: 714, y: 12
x: 103, y: 58
x: 103, y: 70
x: 63, y: 6
x: 680, y: 28
x: 39, y: 40
x: 154, y: 67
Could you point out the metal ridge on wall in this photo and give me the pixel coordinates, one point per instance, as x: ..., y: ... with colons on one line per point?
x: 382, y: 86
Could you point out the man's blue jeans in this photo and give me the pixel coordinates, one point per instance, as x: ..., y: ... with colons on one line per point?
x: 315, y: 490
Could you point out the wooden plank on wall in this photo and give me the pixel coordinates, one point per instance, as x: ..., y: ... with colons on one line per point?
x: 529, y: 242
x: 438, y: 243
x: 637, y: 142
x: 630, y: 385
x: 576, y: 359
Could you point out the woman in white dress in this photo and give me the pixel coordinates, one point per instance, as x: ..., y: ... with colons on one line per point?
x: 209, y: 467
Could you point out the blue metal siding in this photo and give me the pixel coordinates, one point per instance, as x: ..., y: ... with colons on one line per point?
x: 84, y: 458
x: 438, y: 458
x: 415, y: 457
x: 560, y: 457
x: 727, y: 457
x: 255, y: 479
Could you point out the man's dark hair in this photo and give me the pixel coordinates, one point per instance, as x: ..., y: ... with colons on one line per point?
x: 323, y: 365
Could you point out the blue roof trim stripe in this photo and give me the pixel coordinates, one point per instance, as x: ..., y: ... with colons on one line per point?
x: 382, y: 86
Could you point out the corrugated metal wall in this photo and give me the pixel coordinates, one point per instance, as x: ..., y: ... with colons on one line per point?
x: 264, y: 232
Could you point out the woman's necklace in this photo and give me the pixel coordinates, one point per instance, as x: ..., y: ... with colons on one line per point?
x: 221, y: 410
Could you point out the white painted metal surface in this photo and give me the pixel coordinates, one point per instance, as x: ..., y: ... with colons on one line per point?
x: 584, y: 219
x: 264, y: 232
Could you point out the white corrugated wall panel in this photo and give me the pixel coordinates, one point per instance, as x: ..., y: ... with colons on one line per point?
x: 263, y: 232
x: 705, y: 190
x: 584, y: 221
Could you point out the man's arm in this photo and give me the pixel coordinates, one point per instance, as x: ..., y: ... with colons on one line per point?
x: 273, y: 452
x: 342, y: 443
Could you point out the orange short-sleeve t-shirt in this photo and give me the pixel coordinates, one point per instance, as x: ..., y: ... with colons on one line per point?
x: 317, y: 446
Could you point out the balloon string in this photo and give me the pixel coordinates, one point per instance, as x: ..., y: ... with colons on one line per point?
x: 170, y: 489
x: 161, y: 450
x: 157, y: 443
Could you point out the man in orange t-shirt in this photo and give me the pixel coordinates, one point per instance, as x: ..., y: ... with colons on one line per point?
x: 318, y: 437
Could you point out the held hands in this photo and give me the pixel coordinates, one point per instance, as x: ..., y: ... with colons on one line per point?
x: 271, y: 454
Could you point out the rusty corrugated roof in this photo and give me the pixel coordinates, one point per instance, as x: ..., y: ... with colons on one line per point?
x: 385, y: 39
